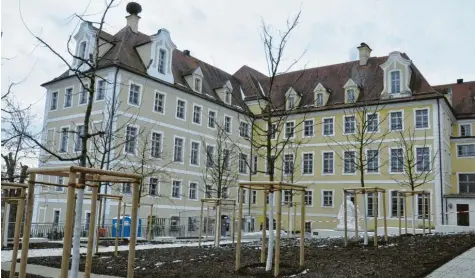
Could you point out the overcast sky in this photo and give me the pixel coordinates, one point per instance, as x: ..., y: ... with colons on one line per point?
x: 439, y: 36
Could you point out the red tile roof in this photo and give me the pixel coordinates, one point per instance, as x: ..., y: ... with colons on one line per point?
x: 463, y: 98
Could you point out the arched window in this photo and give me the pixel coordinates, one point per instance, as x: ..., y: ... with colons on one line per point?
x: 82, y: 50
x: 162, y: 59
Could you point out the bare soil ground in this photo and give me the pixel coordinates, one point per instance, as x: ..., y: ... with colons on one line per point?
x: 407, y: 256
x: 37, y: 245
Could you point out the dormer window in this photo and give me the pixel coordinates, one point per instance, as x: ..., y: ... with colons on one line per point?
x: 291, y: 102
x: 395, y: 82
x: 227, y: 97
x: 198, y: 84
x: 162, y: 55
x: 350, y: 96
x: 319, y: 101
x: 82, y: 50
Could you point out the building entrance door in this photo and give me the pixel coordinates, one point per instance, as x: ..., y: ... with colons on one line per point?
x: 463, y: 215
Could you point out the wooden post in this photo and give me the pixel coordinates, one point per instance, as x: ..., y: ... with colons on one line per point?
x: 233, y: 227
x: 216, y: 227
x: 423, y: 214
x: 16, y: 237
x: 207, y: 222
x: 288, y: 219
x: 4, y: 215
x: 218, y: 213
x: 398, y: 209
x: 6, y: 219
x: 123, y: 221
x: 133, y: 229
x: 385, y: 218
x: 405, y: 213
x: 430, y: 214
x: 117, y: 227
x: 27, y: 228
x: 356, y: 216
x: 92, y: 226
x: 150, y: 223
x: 302, y: 227
x: 68, y: 229
x: 375, y: 214
x: 345, y: 217
x: 264, y: 228
x: 238, y: 245
x: 99, y: 225
x: 295, y: 220
x: 201, y: 224
x: 277, y: 233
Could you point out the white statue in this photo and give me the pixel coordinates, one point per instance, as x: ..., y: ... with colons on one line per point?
x: 350, y: 215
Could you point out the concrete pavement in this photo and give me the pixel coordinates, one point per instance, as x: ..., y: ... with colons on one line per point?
x: 462, y: 266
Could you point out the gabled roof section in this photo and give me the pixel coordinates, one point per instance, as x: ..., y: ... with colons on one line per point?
x: 463, y: 98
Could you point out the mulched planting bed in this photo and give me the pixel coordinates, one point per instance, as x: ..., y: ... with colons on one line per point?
x: 37, y: 245
x: 7, y: 274
x: 410, y: 256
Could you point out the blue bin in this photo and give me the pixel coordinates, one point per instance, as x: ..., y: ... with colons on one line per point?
x: 127, y: 221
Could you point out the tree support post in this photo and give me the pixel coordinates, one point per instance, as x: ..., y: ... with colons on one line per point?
x: 423, y: 214
x: 150, y: 223
x: 233, y: 227
x: 288, y: 219
x: 16, y: 237
x: 201, y: 224
x: 6, y: 220
x: 302, y: 228
x: 385, y: 218
x: 123, y: 222
x: 207, y: 222
x: 398, y: 209
x: 294, y: 220
x: 345, y: 217
x: 238, y: 245
x: 375, y: 214
x: 356, y: 217
x: 116, y: 247
x: 68, y: 229
x: 98, y: 230
x: 277, y: 234
x: 27, y: 228
x: 430, y: 214
x: 133, y: 229
x: 92, y: 228
x: 264, y: 228
x: 405, y: 214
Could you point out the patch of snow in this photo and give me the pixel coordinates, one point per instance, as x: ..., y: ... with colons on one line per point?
x: 159, y: 264
x: 177, y: 261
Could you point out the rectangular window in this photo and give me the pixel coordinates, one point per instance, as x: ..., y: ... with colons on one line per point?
x: 134, y: 94
x: 224, y: 193
x: 394, y: 212
x: 176, y: 189
x: 465, y: 130
x: 54, y: 101
x: 308, y: 128
x: 308, y: 163
x: 153, y: 187
x: 273, y: 131
x: 320, y: 99
x: 327, y: 198
x: 101, y: 89
x: 243, y: 163
x: 328, y: 126
x: 372, y: 157
x: 197, y: 114
x: 254, y: 165
x: 79, y: 135
x: 60, y: 181
x: 328, y: 162
x: 227, y: 124
x: 350, y: 124
x: 156, y: 150
x: 466, y: 150
x: 291, y: 102
x: 226, y: 156
x: 126, y: 188
x: 396, y: 121
x: 287, y: 196
x: 178, y: 150
x: 159, y: 103
x: 422, y: 118
x: 349, y: 162
x: 68, y: 98
x: 56, y: 216
x: 83, y: 94
x: 309, y: 198
x: 371, y: 208
x: 422, y: 207
x: 244, y: 129
x: 466, y: 183
x: 228, y: 97
x: 63, y: 145
x: 254, y: 197
x: 209, y: 156
x: 208, y: 191
x: 351, y: 96
x: 289, y: 164
x: 131, y: 139
x: 422, y: 159
x: 308, y: 227
x: 395, y: 82
x: 373, y: 122
x: 211, y: 119
x: 180, y: 109
x: 198, y: 85
x: 195, y: 153
x: 243, y: 196
x: 193, y: 191
x: 397, y: 162
x: 161, y: 61
x: 289, y: 129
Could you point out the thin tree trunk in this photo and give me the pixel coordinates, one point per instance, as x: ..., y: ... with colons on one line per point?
x: 218, y: 225
x: 365, y: 228
x: 270, y: 246
x: 414, y: 214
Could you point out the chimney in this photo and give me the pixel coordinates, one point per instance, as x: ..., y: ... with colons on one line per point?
x: 460, y: 81
x: 133, y: 18
x: 186, y: 52
x: 365, y: 53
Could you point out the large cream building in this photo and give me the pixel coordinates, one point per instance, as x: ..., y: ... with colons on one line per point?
x: 152, y: 92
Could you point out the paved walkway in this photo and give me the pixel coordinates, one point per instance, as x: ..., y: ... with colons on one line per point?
x: 47, y: 271
x: 462, y: 266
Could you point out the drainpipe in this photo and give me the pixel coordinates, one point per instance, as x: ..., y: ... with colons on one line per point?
x: 109, y: 144
x: 440, y: 163
x: 250, y: 178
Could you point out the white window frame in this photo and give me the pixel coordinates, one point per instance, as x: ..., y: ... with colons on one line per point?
x: 164, y: 60
x: 316, y: 99
x: 293, y: 163
x: 313, y: 129
x: 56, y: 102
x: 380, y: 200
x: 430, y: 157
x: 390, y: 169
x: 333, y: 126
x: 313, y: 197
x: 247, y: 131
x: 230, y: 123
x: 457, y: 174
x: 391, y: 82
x: 390, y: 202
x: 415, y: 118
x: 246, y: 164
x: 347, y: 92
x: 200, y: 84
x: 457, y: 150
x: 313, y: 164
x: 140, y: 93
x: 344, y: 124
x: 76, y: 136
x: 343, y: 163
x: 215, y: 118
x: 212, y: 156
x: 254, y: 194
x: 155, y: 99
x: 180, y: 190
x: 430, y: 205
x: 158, y: 187
x: 59, y: 182
x: 97, y: 90
x: 161, y: 143
x: 196, y: 191
x: 81, y: 90
x: 322, y: 199
x: 368, y: 124
x: 184, y: 109
x: 182, y: 151
x: 285, y: 130
x: 136, y: 138
x: 275, y: 133
x: 198, y: 153
x: 460, y: 130
x: 390, y: 120
x: 59, y: 216
x: 200, y: 115
x: 72, y: 97
x: 367, y: 161
x: 61, y: 138
x: 226, y: 94
x: 333, y: 164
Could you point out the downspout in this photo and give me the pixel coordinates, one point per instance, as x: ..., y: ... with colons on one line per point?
x: 109, y: 144
x: 250, y: 178
x: 440, y: 164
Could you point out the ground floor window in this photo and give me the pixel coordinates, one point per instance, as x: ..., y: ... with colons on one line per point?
x: 308, y: 227
x: 420, y: 206
x: 394, y: 212
x: 371, y: 207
